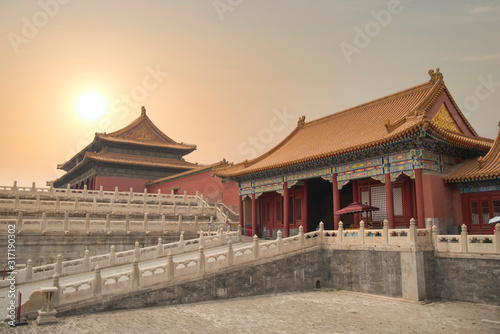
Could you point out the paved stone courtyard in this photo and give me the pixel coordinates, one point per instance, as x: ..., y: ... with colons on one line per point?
x: 324, y: 311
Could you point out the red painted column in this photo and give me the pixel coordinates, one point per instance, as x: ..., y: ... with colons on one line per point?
x: 389, y: 201
x: 254, y: 215
x: 240, y: 211
x: 305, y: 210
x: 355, y: 198
x: 419, y: 193
x: 286, y: 211
x: 336, y: 202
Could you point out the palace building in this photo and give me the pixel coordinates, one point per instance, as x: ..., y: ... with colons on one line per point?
x: 412, y: 154
x: 127, y: 158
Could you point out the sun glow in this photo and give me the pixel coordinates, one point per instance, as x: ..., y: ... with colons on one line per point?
x: 91, y: 106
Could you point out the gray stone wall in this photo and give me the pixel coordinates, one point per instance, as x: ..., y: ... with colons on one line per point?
x: 468, y: 279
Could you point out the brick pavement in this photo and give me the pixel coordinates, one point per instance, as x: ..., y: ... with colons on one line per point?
x: 311, y: 312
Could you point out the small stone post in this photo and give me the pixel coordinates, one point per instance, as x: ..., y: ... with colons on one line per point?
x: 51, y: 190
x: 14, y: 187
x: 321, y: 233
x: 160, y: 206
x: 58, y: 264
x: 255, y: 247
x: 68, y: 191
x: 201, y: 260
x: 220, y: 232
x: 43, y: 222
x: 302, y: 240
x: 181, y: 242
x: 340, y: 233
x: 135, y: 274
x: 412, y: 233
x: 279, y: 241
x: 175, y: 207
x: 179, y: 223
x: 116, y: 193
x: 29, y: 270
x: 16, y: 202
x: 33, y: 187
x: 163, y: 227
x: 101, y: 193
x: 185, y: 196
x: 385, y: 233
x: 159, y: 249
x: 112, y: 255
x: 361, y: 232
x: 131, y: 194
x: 230, y: 253
x: 85, y: 191
x: 77, y: 206
x: 496, y: 238
x: 86, y: 261
x: 202, y: 238
x: 47, y: 315
x: 170, y: 267
x: 55, y: 283
x: 97, y: 281
x: 434, y: 237
x: 137, y: 251
x: 239, y: 232
x: 94, y: 205
x: 112, y: 205
x: 463, y: 240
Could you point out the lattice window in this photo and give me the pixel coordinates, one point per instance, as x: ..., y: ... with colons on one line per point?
x: 474, y: 211
x: 397, y: 196
x: 485, y: 210
x: 378, y: 200
x: 496, y: 208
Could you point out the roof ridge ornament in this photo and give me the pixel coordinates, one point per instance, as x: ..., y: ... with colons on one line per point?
x: 301, y: 122
x: 143, y: 111
x: 480, y: 161
x: 435, y: 76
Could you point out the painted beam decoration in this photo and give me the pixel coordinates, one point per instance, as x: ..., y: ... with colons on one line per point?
x: 396, y: 164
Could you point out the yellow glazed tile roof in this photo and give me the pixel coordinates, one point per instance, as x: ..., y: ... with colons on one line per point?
x: 486, y: 167
x: 367, y: 125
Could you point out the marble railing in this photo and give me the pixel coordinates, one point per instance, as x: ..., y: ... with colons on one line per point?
x: 465, y: 243
x: 171, y: 271
x: 88, y: 263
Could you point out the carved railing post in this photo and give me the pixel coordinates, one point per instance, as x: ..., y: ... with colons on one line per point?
x: 137, y: 251
x: 58, y: 203
x: 77, y: 204
x: 68, y: 191
x: 201, y: 260
x: 107, y: 226
x: 55, y: 283
x: 279, y: 241
x: 86, y: 260
x: 85, y: 191
x: 385, y: 233
x: 239, y: 232
x: 159, y: 248
x: 412, y: 233
x: 135, y: 274
x: 29, y: 270
x: 101, y: 192
x: 94, y: 205
x: 37, y: 203
x: 20, y: 221
x: 16, y: 203
x: 179, y: 223
x: 112, y: 256
x: 112, y: 205
x: 434, y: 236
x: 59, y: 264
x: 185, y: 196
x: 97, y: 281
x: 202, y: 238
x: 127, y: 223
x: 146, y: 222
x: 255, y: 247
x: 116, y: 196
x: 170, y: 267
x: 463, y: 239
x: 496, y: 238
x: 181, y: 242
x: 163, y: 227
x: 43, y: 222
x: 230, y: 253
x: 321, y: 233
x: 340, y: 233
x: 302, y: 240
x: 220, y: 232
x: 196, y: 224
x: 361, y: 235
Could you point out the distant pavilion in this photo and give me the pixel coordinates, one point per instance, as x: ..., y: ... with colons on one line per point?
x: 127, y: 158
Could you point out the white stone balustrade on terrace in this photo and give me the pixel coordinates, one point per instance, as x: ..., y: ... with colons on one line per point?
x: 361, y: 239
x: 124, y: 223
x: 88, y: 263
x: 61, y: 199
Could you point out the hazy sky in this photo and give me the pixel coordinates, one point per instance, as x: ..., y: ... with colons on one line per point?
x: 231, y: 76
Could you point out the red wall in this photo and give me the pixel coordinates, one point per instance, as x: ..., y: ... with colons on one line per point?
x: 438, y: 197
x: 211, y: 187
x: 124, y: 184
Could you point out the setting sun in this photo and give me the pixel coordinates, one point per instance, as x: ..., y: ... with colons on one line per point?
x: 91, y: 106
